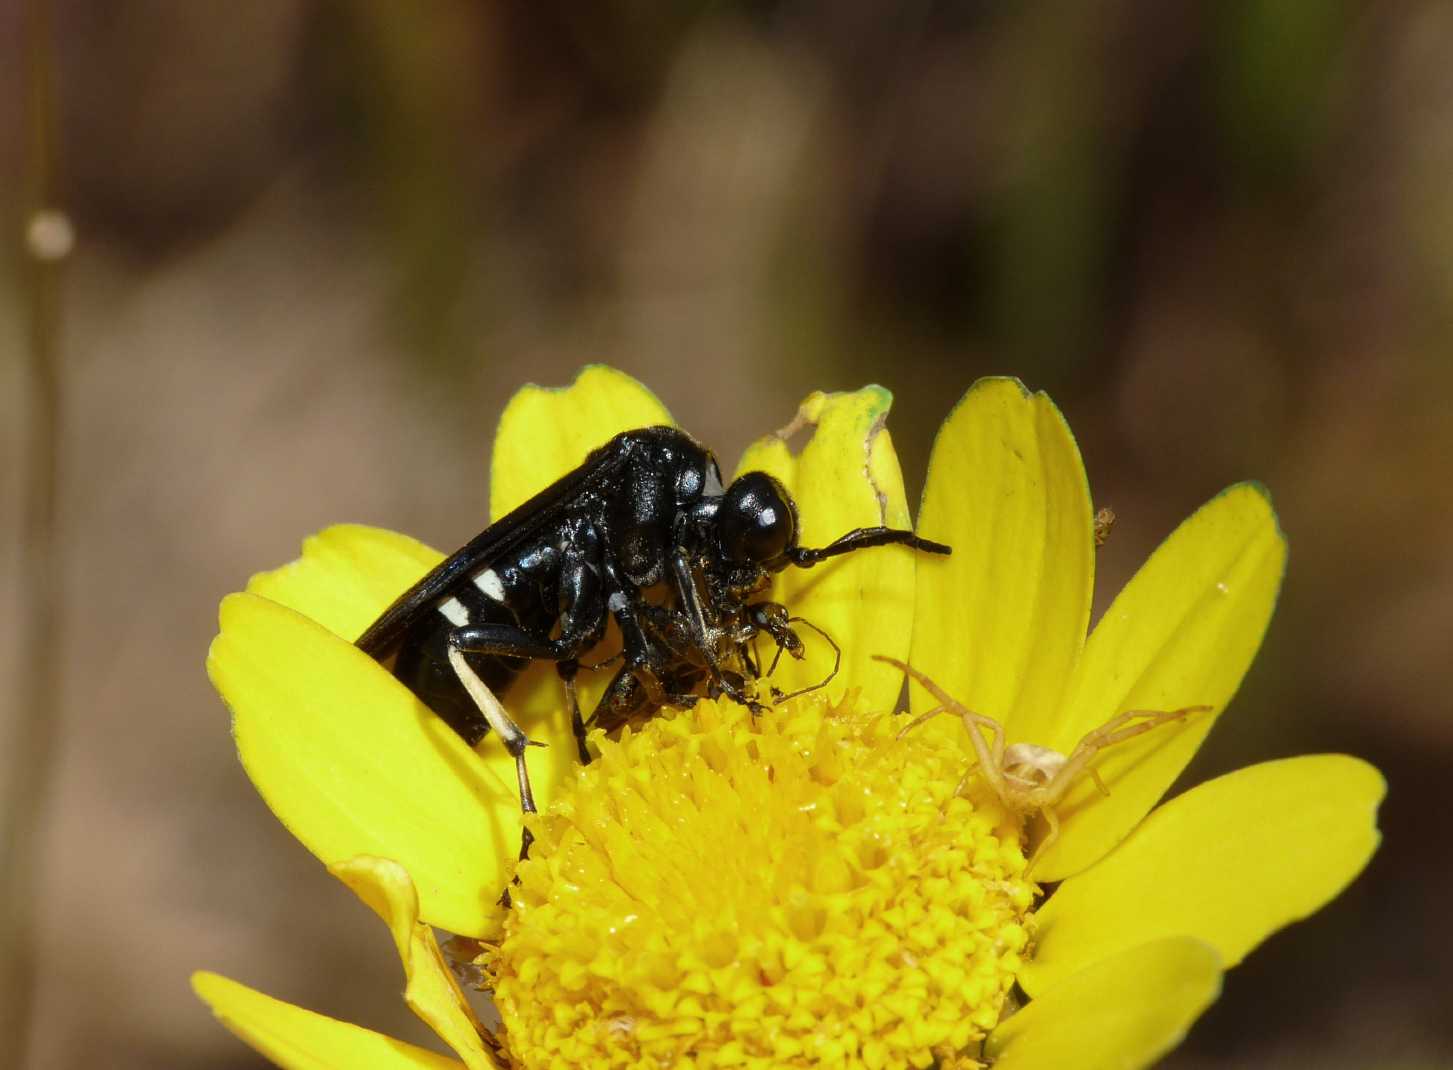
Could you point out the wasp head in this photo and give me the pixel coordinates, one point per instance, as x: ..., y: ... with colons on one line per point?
x: 757, y: 522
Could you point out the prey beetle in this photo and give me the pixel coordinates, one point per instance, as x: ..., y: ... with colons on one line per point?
x: 646, y: 511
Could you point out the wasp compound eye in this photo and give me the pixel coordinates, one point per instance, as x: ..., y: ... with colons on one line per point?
x: 756, y: 521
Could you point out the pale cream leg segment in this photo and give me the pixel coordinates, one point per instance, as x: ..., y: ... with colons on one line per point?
x: 510, y: 734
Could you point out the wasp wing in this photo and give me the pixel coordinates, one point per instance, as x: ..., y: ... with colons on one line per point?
x: 519, y: 526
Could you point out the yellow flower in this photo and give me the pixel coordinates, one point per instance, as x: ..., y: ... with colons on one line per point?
x: 807, y: 888
x: 802, y: 889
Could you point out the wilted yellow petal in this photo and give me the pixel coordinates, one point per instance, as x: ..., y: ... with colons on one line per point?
x: 1121, y: 1013
x: 354, y: 765
x: 298, y: 1039
x: 1000, y: 624
x: 845, y: 477
x: 547, y: 431
x: 431, y: 990
x: 1229, y: 862
x: 544, y: 433
x: 348, y: 575
x: 1182, y: 632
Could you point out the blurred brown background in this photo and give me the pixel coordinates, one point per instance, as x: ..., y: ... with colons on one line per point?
x: 320, y: 243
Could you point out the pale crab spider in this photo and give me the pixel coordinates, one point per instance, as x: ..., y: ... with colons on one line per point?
x: 1026, y: 777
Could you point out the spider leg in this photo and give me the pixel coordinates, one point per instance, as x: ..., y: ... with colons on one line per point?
x: 990, y: 752
x: 1111, y: 733
x: 945, y: 700
x: 996, y: 749
x: 1107, y: 735
x: 991, y: 755
x: 927, y: 715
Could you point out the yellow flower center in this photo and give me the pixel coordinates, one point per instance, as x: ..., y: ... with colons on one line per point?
x: 800, y: 889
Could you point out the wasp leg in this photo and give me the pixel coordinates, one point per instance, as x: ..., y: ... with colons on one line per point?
x: 567, y: 671
x: 706, y: 634
x: 643, y: 659
x: 580, y: 629
x: 514, y: 738
x: 582, y: 622
x: 506, y: 640
x: 624, y: 696
x: 581, y: 612
x: 694, y: 609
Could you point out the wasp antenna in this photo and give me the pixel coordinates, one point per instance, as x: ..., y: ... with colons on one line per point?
x: 862, y: 539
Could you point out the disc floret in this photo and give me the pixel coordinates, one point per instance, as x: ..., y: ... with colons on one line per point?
x: 804, y: 889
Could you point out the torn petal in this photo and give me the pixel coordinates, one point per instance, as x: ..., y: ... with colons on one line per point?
x: 845, y: 477
x: 431, y: 991
x: 299, y: 1039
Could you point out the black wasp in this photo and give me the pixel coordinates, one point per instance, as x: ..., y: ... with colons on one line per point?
x: 646, y: 512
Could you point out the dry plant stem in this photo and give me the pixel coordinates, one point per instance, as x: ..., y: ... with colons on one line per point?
x: 32, y: 738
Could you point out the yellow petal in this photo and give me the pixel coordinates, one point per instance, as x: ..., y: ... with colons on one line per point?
x: 1229, y: 863
x: 1000, y: 624
x: 1120, y: 1013
x: 1182, y: 632
x: 431, y: 990
x: 544, y: 433
x: 845, y: 477
x: 353, y: 764
x: 299, y: 1039
x: 547, y: 431
x: 348, y: 575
